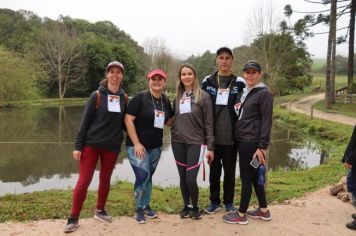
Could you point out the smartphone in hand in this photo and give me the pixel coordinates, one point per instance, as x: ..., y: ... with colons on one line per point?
x: 255, y: 163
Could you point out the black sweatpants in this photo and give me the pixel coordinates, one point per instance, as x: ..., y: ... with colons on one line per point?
x: 225, y: 157
x: 186, y: 156
x: 249, y: 177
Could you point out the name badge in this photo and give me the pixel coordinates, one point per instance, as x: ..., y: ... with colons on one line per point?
x: 114, y: 103
x: 185, y: 105
x: 222, y: 96
x: 159, y: 119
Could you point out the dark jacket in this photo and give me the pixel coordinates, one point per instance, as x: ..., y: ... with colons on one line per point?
x: 255, y: 117
x: 196, y: 127
x: 209, y: 85
x: 99, y: 127
x: 350, y: 152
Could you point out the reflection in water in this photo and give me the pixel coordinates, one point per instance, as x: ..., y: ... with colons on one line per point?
x: 36, y: 145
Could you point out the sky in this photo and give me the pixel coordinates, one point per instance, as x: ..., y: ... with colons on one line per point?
x: 185, y: 26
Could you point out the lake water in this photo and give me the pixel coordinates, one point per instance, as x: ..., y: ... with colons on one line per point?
x: 36, y: 144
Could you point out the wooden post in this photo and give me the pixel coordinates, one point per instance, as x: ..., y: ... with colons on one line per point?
x: 311, y: 111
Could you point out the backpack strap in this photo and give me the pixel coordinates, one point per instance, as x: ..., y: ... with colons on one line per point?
x: 97, y: 99
x: 126, y: 98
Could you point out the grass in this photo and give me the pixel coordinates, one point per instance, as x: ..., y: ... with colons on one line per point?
x: 281, y: 184
x: 319, y: 81
x: 340, y: 108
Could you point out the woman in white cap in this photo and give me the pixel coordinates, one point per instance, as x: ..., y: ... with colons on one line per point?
x: 99, y: 137
x: 146, y: 115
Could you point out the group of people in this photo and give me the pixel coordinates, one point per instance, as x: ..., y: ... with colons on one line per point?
x: 223, y: 116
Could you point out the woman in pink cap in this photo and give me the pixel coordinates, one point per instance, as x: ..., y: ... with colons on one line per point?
x: 146, y: 115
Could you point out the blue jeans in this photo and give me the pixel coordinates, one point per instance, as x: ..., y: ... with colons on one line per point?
x: 144, y: 170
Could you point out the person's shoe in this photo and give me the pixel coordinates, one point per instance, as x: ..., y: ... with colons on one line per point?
x: 195, y: 213
x: 229, y: 207
x: 140, y: 216
x: 72, y: 225
x: 149, y: 212
x: 185, y: 212
x: 235, y: 218
x: 351, y: 225
x: 102, y: 215
x: 258, y: 214
x: 214, y: 207
x: 353, y: 216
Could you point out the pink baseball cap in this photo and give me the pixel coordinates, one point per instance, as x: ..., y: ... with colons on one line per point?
x: 157, y: 72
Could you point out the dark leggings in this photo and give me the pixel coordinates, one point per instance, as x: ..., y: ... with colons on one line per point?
x: 248, y: 176
x: 186, y: 156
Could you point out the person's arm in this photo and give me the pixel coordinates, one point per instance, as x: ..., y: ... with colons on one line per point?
x: 266, y: 111
x: 208, y: 127
x: 88, y: 116
x: 131, y: 131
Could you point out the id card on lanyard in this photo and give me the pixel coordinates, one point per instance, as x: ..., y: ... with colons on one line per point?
x: 185, y: 105
x: 159, y: 116
x: 222, y: 96
x: 159, y: 119
x: 114, y: 103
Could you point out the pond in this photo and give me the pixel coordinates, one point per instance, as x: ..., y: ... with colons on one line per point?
x: 36, y: 145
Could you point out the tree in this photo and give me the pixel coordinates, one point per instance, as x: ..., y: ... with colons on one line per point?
x: 18, y: 77
x: 304, y: 25
x: 63, y: 56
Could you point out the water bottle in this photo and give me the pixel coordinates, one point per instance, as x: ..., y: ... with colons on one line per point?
x: 261, y: 172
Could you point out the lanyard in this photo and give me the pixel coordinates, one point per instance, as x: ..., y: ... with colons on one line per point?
x: 219, y: 82
x: 154, y: 102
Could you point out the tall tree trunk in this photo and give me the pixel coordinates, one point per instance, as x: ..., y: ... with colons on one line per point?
x: 333, y: 55
x: 328, y: 83
x: 350, y: 66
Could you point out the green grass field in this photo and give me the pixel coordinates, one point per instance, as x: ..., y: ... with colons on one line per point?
x: 318, y: 63
x: 319, y: 81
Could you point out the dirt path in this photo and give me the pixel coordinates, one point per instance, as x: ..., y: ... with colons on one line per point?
x: 317, y: 213
x: 304, y: 106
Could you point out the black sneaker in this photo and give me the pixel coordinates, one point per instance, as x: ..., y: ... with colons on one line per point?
x: 140, y: 216
x: 195, y: 213
x: 351, y: 225
x: 185, y: 212
x: 149, y: 212
x: 102, y: 215
x: 72, y: 225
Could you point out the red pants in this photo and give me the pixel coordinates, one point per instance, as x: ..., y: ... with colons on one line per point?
x: 88, y: 161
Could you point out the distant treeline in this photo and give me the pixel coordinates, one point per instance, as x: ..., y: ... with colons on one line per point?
x: 340, y: 65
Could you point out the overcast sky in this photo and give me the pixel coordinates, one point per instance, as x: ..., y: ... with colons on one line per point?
x: 187, y: 26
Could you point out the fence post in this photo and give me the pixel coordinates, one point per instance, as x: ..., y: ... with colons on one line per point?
x: 311, y: 111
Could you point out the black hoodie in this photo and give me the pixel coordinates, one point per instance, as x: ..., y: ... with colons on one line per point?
x: 99, y: 127
x: 255, y: 117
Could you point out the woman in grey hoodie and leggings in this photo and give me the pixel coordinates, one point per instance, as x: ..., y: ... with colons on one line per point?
x: 192, y: 130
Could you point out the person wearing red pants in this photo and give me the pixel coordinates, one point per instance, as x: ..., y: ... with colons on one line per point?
x: 99, y: 137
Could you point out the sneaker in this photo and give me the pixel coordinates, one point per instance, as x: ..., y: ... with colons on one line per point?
x: 214, y: 207
x: 353, y: 216
x: 258, y: 214
x: 102, y: 215
x: 235, y: 218
x: 195, y: 213
x: 351, y: 225
x: 229, y: 207
x: 185, y: 212
x: 140, y: 216
x: 72, y: 225
x: 149, y: 212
